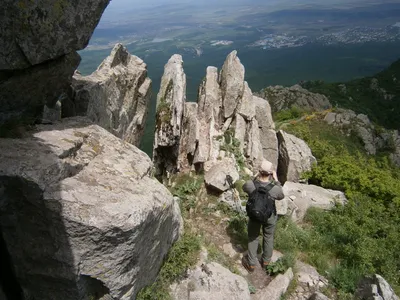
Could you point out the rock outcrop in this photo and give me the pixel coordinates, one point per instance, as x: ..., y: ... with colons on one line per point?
x: 211, y: 282
x: 38, y: 43
x: 375, y: 288
x: 171, y: 101
x: 374, y: 139
x: 295, y: 157
x: 300, y: 197
x: 277, y: 287
x: 80, y: 214
x: 116, y: 96
x: 287, y: 97
x: 216, y: 177
x: 227, y: 120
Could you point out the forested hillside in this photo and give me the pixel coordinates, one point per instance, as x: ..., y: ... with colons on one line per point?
x: 377, y: 96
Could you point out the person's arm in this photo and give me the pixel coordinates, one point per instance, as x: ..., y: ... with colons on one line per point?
x: 277, y: 192
x: 248, y: 187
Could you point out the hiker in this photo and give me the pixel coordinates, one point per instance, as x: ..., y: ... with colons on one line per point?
x: 263, y: 190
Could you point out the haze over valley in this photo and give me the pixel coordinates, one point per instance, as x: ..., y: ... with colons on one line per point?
x: 279, y: 42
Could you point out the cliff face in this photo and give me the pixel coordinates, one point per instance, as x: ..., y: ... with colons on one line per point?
x: 116, y: 96
x: 226, y: 115
x: 38, y: 44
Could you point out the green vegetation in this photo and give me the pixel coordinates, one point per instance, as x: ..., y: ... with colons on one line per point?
x: 181, y: 257
x: 360, y: 238
x: 288, y: 114
x: 232, y: 145
x: 378, y: 96
x: 281, y: 265
x: 186, y: 188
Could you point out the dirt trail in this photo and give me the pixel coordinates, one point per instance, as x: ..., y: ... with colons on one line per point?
x: 213, y: 225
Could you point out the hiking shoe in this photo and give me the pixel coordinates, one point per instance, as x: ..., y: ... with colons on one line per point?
x: 264, y: 264
x: 246, y: 264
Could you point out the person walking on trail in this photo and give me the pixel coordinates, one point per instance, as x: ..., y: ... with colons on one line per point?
x: 262, y: 191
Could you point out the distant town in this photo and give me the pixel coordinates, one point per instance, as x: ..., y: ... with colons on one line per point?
x: 355, y: 35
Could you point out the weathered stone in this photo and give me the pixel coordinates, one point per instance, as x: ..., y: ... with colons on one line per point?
x: 247, y: 108
x: 81, y: 215
x: 216, y: 176
x: 116, y: 96
x: 263, y: 113
x: 211, y: 282
x: 295, y: 157
x: 232, y: 84
x: 254, y: 148
x: 240, y: 131
x: 32, y: 32
x: 232, y: 198
x: 24, y: 93
x: 189, y: 138
x: 51, y: 114
x: 374, y: 288
x: 170, y: 107
x: 277, y: 287
x: 286, y: 97
x: 300, y: 197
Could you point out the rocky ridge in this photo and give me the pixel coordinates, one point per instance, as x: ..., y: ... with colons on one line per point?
x: 227, y: 121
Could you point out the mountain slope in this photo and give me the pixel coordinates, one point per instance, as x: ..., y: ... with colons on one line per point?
x: 377, y: 96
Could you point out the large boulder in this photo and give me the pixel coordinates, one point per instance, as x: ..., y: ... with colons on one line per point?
x: 169, y: 116
x: 80, y: 214
x: 215, y: 177
x: 38, y: 44
x: 300, y: 197
x: 211, y: 282
x: 295, y: 157
x: 32, y: 32
x: 23, y: 94
x: 116, y: 96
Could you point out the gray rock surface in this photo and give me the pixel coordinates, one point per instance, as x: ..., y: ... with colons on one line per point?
x: 24, y: 93
x: 373, y: 139
x: 375, y: 288
x: 170, y: 108
x: 285, y: 97
x: 116, y: 96
x: 295, y: 157
x: 232, y: 84
x: 216, y: 176
x: 80, y: 213
x: 211, y: 282
x: 32, y: 32
x: 189, y: 138
x: 300, y: 197
x: 277, y: 287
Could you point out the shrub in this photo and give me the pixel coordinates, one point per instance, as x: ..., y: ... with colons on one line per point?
x: 181, y: 257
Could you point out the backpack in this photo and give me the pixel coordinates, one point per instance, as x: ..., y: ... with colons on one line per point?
x: 260, y: 205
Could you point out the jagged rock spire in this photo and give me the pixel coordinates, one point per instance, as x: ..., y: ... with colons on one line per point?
x: 169, y: 116
x: 116, y: 95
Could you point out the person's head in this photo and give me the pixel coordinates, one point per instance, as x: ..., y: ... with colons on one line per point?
x: 266, y: 168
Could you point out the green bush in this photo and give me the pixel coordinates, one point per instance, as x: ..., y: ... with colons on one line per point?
x: 292, y: 113
x: 181, y: 257
x: 362, y: 237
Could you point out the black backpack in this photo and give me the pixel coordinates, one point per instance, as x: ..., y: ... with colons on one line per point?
x: 260, y: 205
